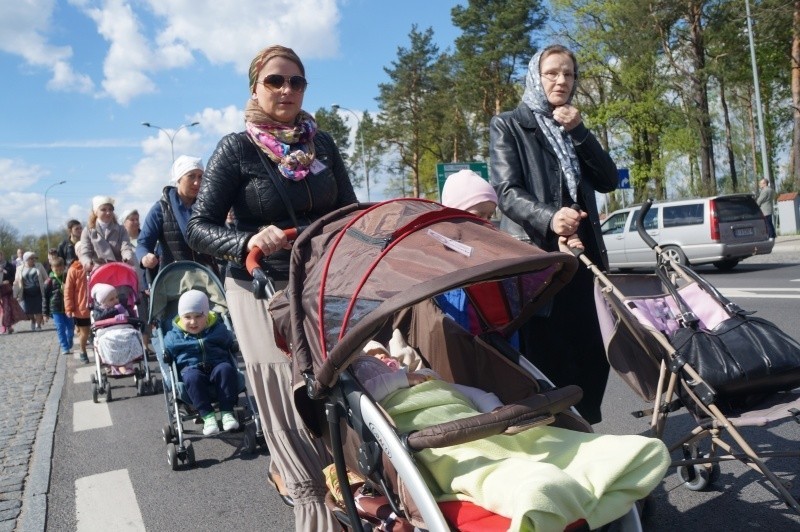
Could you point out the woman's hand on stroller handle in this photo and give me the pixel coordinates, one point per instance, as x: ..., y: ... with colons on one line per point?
x: 273, y: 239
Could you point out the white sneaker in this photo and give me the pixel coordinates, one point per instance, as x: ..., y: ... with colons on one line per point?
x: 210, y: 425
x: 229, y: 421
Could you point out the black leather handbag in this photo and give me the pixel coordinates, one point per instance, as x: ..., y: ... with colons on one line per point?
x: 742, y: 356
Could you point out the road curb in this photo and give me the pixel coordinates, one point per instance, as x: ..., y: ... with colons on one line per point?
x: 33, y: 517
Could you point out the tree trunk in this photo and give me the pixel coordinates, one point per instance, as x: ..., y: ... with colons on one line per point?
x: 728, y: 140
x: 794, y: 175
x: 700, y: 97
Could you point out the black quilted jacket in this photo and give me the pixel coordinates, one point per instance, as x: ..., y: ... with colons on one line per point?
x: 236, y: 176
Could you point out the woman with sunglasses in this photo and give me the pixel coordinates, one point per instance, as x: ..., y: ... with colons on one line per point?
x: 104, y: 239
x: 279, y: 173
x: 544, y: 161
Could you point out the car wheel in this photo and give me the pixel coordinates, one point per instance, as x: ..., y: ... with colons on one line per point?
x: 726, y: 265
x: 676, y: 254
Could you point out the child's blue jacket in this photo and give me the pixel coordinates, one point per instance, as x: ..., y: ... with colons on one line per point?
x: 210, y: 346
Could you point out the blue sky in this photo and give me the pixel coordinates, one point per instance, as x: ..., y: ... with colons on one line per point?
x: 80, y: 76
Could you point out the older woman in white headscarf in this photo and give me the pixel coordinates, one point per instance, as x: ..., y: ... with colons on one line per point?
x: 29, y: 288
x: 104, y: 239
x: 544, y: 161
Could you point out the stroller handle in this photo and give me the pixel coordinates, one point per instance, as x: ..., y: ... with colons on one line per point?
x: 640, y: 224
x: 263, y: 288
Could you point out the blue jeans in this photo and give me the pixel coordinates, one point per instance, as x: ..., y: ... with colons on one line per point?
x: 65, y: 328
x: 223, y: 377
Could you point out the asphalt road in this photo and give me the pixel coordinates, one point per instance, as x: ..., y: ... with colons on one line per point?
x: 109, y: 470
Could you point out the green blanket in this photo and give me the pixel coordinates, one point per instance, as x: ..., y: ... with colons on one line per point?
x: 544, y: 478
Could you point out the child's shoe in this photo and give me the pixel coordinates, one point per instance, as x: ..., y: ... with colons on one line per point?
x: 210, y: 424
x: 229, y: 421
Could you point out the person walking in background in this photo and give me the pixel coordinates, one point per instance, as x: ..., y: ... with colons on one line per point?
x: 29, y: 288
x: 54, y: 305
x: 104, y: 239
x: 163, y: 237
x: 279, y: 173
x: 544, y: 160
x: 19, y: 261
x: 66, y: 249
x: 766, y: 201
x: 10, y: 311
x: 76, y: 302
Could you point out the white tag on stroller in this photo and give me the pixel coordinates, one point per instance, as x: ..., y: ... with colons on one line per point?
x: 452, y: 244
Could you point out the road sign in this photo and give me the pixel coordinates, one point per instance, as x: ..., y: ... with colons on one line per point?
x: 624, y: 178
x: 445, y: 169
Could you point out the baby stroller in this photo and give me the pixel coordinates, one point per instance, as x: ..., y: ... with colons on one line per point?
x: 165, y: 291
x: 678, y: 342
x: 118, y: 344
x: 364, y: 271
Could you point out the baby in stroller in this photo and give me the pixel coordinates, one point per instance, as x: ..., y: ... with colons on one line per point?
x: 107, y: 305
x: 543, y: 478
x: 118, y: 338
x: 200, y: 344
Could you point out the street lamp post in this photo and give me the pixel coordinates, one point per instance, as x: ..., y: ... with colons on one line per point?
x: 172, y: 136
x: 46, y: 220
x: 762, y: 133
x: 361, y: 139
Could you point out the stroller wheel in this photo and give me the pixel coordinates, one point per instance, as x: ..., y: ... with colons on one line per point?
x: 94, y: 378
x: 249, y: 443
x: 167, y: 433
x: 695, y: 477
x: 95, y: 392
x: 108, y: 392
x: 189, y: 453
x: 172, y: 456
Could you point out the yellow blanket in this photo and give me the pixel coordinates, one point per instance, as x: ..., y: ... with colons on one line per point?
x: 542, y: 479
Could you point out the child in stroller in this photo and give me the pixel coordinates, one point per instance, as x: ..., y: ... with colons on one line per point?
x: 116, y: 327
x: 107, y: 305
x: 543, y: 478
x: 201, y: 344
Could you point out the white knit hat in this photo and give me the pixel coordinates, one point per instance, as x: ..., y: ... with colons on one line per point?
x: 101, y: 291
x: 183, y: 165
x: 99, y: 201
x: 465, y: 189
x: 193, y: 301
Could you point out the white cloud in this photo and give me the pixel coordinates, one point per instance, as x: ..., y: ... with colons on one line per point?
x: 223, y: 32
x: 226, y: 34
x: 18, y: 176
x: 23, y: 31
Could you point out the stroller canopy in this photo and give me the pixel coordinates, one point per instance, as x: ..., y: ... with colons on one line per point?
x: 116, y: 274
x: 175, y: 279
x: 353, y: 269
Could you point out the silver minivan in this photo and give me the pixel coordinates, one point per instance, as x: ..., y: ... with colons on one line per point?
x: 721, y: 230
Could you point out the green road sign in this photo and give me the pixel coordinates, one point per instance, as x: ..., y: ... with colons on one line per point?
x: 445, y: 169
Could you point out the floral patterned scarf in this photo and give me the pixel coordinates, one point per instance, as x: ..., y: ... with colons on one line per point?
x: 277, y: 140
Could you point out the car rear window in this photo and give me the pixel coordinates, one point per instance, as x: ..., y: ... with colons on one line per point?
x: 736, y: 209
x: 678, y: 215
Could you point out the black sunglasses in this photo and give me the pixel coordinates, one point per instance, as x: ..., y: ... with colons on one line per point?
x: 276, y: 82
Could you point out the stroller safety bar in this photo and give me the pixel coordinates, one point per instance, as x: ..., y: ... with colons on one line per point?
x: 533, y: 411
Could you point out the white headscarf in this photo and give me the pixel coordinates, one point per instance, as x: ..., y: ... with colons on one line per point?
x: 183, y: 165
x: 535, y: 98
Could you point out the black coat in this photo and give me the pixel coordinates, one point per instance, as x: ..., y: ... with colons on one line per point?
x: 235, y: 176
x: 527, y: 177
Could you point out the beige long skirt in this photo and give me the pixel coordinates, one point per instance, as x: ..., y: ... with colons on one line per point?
x: 296, y: 455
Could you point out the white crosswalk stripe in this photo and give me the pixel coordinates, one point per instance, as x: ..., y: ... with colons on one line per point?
x: 88, y: 415
x: 107, y: 502
x: 761, y: 293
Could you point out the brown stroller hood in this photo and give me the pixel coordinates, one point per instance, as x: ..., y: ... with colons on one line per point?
x: 355, y: 268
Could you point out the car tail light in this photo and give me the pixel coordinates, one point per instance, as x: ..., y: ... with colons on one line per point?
x: 712, y: 206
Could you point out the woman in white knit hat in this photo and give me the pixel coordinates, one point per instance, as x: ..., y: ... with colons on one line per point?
x: 164, y: 228
x: 104, y: 239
